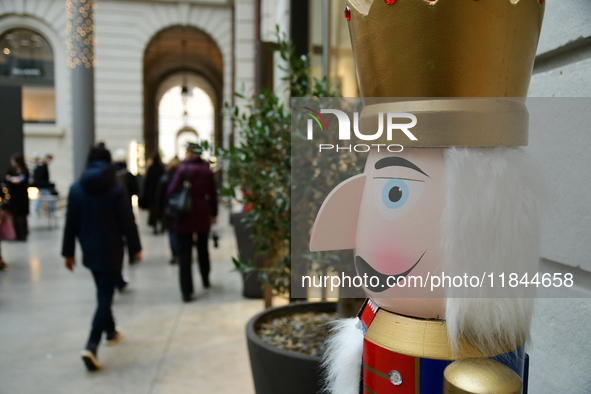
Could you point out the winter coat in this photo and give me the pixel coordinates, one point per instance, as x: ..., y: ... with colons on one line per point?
x: 153, y: 176
x: 19, y: 196
x: 101, y: 217
x: 204, y: 193
x: 41, y: 177
x: 158, y: 208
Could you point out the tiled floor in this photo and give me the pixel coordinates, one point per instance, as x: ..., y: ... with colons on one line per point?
x: 168, y: 346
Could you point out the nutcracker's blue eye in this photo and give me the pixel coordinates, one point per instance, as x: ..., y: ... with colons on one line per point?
x: 395, y: 193
x: 394, y: 197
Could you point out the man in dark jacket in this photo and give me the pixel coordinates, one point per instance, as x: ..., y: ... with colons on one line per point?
x: 199, y: 221
x: 100, y: 216
x: 41, y: 174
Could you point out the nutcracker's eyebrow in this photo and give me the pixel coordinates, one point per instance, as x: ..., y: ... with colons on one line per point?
x: 393, y: 161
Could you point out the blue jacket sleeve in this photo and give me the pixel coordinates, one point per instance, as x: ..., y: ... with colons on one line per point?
x: 127, y: 224
x: 71, y: 227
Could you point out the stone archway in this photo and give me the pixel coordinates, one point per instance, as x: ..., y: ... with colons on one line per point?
x: 174, y: 50
x: 197, y: 110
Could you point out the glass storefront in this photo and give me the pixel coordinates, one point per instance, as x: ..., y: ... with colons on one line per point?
x: 26, y: 60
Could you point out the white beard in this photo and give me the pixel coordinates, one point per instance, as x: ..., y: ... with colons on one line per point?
x: 343, y: 357
x: 494, y: 204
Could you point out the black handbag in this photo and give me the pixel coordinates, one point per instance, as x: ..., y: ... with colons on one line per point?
x: 181, y: 203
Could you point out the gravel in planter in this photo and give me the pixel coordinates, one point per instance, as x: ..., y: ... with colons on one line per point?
x: 303, y: 332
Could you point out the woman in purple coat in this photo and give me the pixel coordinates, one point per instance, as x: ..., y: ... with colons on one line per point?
x: 199, y: 221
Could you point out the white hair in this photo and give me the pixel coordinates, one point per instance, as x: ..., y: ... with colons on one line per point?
x: 342, y: 357
x: 494, y: 203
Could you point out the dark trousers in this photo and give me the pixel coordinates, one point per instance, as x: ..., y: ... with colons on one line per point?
x: 174, y: 249
x: 184, y: 244
x: 103, y: 320
x: 21, y: 227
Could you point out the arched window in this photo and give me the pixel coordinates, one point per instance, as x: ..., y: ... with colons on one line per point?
x: 26, y: 60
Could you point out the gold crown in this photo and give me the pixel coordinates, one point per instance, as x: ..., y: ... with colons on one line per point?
x: 444, y: 48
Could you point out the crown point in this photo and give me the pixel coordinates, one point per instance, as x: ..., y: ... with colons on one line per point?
x: 390, y: 2
x: 347, y: 13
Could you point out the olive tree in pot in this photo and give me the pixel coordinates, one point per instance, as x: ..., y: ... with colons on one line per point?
x: 258, y: 173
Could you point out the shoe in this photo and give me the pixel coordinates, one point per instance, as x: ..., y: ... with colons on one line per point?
x: 190, y: 298
x: 90, y: 360
x: 3, y: 265
x: 206, y: 283
x: 114, y: 339
x: 174, y: 260
x: 123, y: 288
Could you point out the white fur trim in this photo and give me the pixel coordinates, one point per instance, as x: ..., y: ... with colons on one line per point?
x: 343, y: 357
x: 492, y: 223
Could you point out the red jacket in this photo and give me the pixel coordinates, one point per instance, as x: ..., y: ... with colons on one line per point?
x: 205, y: 198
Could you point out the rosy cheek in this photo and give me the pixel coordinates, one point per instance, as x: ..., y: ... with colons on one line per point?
x: 388, y: 255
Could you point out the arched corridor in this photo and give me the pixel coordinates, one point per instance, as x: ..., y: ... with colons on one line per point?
x: 182, y: 57
x: 186, y: 113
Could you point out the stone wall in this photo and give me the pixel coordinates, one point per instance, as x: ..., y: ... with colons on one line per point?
x: 561, y: 337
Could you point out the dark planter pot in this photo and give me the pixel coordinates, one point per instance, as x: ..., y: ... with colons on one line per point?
x: 253, y: 288
x: 276, y: 370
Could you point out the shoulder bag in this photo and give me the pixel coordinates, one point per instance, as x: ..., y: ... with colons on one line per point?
x: 181, y: 203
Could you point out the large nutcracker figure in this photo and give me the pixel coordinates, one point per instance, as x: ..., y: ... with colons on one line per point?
x: 462, y: 200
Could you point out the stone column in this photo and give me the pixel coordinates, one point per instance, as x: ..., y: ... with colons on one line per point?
x: 82, y: 61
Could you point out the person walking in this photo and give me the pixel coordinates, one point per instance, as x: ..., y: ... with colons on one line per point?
x: 203, y: 215
x: 131, y: 188
x: 17, y: 181
x: 160, y: 203
x: 101, y: 218
x: 148, y: 198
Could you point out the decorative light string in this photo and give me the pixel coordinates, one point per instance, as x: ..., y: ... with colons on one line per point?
x: 81, y: 40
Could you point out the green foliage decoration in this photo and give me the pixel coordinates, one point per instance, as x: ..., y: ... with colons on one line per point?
x: 259, y: 173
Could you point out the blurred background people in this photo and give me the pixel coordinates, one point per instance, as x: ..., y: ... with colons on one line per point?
x: 3, y: 217
x: 100, y: 216
x: 161, y: 201
x: 198, y: 222
x: 41, y: 181
x: 17, y: 182
x: 127, y: 179
x: 148, y: 199
x: 131, y: 188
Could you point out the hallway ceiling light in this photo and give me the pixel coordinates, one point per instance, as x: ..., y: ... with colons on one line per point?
x: 185, y: 92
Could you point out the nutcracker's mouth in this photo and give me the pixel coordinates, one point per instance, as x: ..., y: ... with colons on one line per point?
x: 383, y: 283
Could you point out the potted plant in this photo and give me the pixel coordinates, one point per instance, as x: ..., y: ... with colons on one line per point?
x: 258, y: 173
x: 252, y: 284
